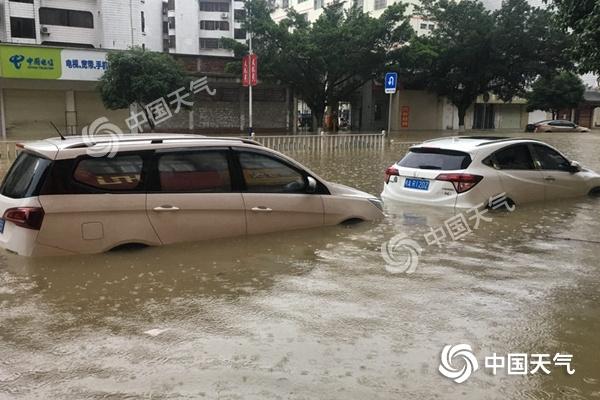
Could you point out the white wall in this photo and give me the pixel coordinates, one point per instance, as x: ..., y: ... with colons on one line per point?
x: 187, y: 26
x: 538, y: 115
x: 152, y: 37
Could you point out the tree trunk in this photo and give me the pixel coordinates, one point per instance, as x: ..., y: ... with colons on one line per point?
x: 462, y: 111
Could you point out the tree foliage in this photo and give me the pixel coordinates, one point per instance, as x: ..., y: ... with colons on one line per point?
x: 139, y: 77
x: 326, y: 61
x: 473, y: 51
x: 556, y: 92
x: 582, y: 17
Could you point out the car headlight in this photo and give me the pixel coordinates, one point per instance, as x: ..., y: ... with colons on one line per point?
x: 376, y: 202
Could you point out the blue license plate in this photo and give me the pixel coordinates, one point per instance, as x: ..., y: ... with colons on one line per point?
x: 419, y: 184
x: 2, y: 221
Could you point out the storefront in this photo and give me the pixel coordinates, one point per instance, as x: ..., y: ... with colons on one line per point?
x: 44, y: 85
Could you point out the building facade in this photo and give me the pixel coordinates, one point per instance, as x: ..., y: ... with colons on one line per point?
x: 312, y: 9
x: 52, y: 53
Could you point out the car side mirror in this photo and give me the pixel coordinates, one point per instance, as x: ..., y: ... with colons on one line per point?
x: 311, y: 186
x: 575, y: 167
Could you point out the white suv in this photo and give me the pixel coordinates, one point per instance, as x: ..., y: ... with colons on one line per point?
x: 57, y: 199
x: 465, y: 172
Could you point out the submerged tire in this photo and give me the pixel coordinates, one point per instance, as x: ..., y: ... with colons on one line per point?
x: 595, y: 192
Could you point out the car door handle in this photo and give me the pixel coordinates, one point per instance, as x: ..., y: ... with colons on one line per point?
x: 262, y: 209
x: 166, y: 207
x: 550, y: 178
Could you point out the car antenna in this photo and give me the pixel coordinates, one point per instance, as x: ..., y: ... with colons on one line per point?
x: 56, y: 129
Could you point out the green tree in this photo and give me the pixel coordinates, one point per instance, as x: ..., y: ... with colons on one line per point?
x: 556, y: 92
x: 326, y: 61
x: 473, y: 51
x: 139, y: 77
x: 582, y: 17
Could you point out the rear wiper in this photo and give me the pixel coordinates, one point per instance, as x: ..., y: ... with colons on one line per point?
x: 429, y: 167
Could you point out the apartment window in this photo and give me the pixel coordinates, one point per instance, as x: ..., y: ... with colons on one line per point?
x: 431, y: 26
x: 171, y: 22
x: 172, y: 42
x: 165, y: 27
x: 22, y: 1
x: 239, y: 34
x: 171, y: 5
x: 214, y: 25
x: 379, y: 4
x: 423, y: 26
x: 22, y: 27
x: 214, y: 6
x: 239, y: 15
x: 63, y: 17
x: 319, y: 4
x: 143, y: 17
x: 210, y: 43
x: 285, y: 3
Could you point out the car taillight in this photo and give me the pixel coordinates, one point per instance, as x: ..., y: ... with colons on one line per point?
x: 25, y: 217
x: 461, y: 182
x: 390, y: 171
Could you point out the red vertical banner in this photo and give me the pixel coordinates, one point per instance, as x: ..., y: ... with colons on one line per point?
x: 246, y: 70
x: 253, y: 69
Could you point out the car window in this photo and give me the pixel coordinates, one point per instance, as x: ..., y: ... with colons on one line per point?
x: 194, y: 171
x: 264, y: 174
x: 122, y: 172
x: 439, y: 159
x: 514, y: 157
x: 24, y: 176
x: 551, y: 159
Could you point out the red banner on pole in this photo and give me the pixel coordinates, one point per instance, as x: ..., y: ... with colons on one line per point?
x: 250, y: 70
x: 246, y: 70
x: 253, y: 69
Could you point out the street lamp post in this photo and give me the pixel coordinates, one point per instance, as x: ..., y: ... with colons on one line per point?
x: 250, y: 129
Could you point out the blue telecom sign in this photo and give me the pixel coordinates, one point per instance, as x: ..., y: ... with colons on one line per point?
x: 391, y: 81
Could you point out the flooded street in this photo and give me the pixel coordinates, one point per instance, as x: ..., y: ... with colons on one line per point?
x: 314, y: 314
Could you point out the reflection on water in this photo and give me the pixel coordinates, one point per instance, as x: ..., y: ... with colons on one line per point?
x: 314, y: 314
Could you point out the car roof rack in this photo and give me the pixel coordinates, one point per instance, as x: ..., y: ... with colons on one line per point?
x: 84, y: 144
x: 508, y: 140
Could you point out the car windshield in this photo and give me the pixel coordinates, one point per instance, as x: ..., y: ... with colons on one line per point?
x: 440, y: 159
x: 24, y: 176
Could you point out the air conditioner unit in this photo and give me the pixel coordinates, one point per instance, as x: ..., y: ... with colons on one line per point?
x: 44, y: 30
x: 224, y: 15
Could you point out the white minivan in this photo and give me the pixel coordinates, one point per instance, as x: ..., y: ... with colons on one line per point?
x: 60, y: 197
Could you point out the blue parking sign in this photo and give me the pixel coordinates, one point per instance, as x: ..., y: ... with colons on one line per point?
x: 391, y: 81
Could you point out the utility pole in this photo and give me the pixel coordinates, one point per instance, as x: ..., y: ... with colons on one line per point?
x: 250, y: 129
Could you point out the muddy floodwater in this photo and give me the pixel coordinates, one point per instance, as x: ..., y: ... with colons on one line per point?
x: 314, y: 314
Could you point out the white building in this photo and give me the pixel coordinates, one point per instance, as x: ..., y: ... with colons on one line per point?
x: 312, y: 9
x: 52, y: 53
x: 183, y: 27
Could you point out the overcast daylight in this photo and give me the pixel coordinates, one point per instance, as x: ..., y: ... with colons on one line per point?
x: 299, y: 199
